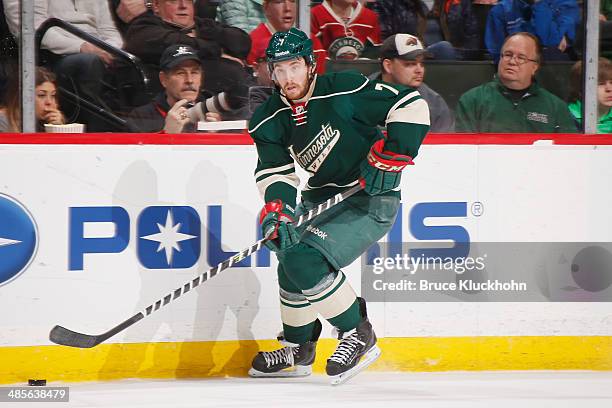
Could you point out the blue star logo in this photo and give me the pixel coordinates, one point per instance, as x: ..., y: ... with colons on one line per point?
x: 169, y: 237
x: 18, y: 239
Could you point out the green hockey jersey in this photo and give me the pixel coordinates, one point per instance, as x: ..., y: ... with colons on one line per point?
x: 330, y: 135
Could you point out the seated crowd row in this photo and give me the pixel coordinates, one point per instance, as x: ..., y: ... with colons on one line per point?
x: 201, y: 60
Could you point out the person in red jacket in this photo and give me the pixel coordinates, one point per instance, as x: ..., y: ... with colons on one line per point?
x: 344, y: 28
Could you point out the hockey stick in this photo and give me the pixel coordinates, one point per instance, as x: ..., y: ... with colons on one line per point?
x: 67, y: 337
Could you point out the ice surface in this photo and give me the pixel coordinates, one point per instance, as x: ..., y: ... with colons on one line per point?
x: 574, y: 389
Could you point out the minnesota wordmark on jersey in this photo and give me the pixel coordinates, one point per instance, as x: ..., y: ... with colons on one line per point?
x: 315, y: 153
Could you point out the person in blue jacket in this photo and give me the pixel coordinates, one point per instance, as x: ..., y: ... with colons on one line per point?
x: 552, y: 21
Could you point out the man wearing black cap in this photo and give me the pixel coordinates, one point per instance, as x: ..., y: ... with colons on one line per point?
x: 401, y: 63
x: 180, y: 76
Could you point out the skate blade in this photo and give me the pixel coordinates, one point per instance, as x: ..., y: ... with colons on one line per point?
x: 297, y: 371
x: 367, y: 359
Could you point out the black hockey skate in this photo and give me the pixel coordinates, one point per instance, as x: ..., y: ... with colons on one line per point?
x: 356, y: 351
x: 293, y: 360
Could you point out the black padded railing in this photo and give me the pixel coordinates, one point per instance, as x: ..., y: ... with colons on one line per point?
x: 116, y: 52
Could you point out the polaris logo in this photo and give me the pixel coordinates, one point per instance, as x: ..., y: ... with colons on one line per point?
x: 163, y: 237
x: 317, y: 232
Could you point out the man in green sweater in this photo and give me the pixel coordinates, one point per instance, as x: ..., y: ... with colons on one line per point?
x: 513, y: 102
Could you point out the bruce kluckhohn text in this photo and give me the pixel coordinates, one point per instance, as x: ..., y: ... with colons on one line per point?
x: 463, y: 285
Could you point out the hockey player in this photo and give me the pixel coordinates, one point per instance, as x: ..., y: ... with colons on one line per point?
x: 328, y: 125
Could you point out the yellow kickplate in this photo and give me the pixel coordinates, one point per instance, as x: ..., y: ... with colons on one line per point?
x: 233, y: 358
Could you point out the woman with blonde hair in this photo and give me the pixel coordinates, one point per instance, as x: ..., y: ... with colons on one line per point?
x: 604, y: 95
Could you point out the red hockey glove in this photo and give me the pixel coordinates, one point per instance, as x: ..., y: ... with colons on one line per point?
x: 276, y: 221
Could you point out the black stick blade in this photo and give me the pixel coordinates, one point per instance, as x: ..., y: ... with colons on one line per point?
x: 67, y: 337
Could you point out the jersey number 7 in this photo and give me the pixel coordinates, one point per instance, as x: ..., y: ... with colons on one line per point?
x: 380, y: 86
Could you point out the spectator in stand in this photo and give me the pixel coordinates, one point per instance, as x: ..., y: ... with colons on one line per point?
x: 604, y: 95
x: 514, y: 102
x: 481, y: 9
x: 345, y: 28
x: 79, y: 65
x: 231, y: 68
x: 280, y: 16
x: 230, y: 73
x: 606, y: 10
x: 402, y: 62
x: 459, y: 25
x: 244, y: 14
x: 3, y: 78
x: 10, y: 105
x: 12, y: 10
x: 401, y: 16
x: 605, y: 28
x: 605, y: 31
x: 409, y: 16
x: 207, y: 8
x: 172, y: 22
x: 45, y: 105
x: 181, y: 77
x: 127, y: 10
x: 552, y: 21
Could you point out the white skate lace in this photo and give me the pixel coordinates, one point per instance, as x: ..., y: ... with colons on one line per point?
x: 347, y: 347
x: 283, y: 355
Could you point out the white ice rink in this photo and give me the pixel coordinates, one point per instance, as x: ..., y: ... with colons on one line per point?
x: 371, y: 390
